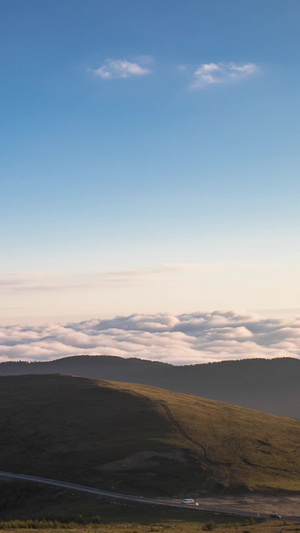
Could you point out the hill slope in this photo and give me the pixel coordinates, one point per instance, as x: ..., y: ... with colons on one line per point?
x: 141, y: 439
x: 267, y: 385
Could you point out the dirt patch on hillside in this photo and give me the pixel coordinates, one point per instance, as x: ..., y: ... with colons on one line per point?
x: 144, y: 459
x: 284, y: 504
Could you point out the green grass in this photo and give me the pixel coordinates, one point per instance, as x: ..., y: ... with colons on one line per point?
x: 33, y: 506
x: 68, y: 428
x: 170, y: 526
x: 154, y: 524
x: 30, y: 506
x: 49, y: 508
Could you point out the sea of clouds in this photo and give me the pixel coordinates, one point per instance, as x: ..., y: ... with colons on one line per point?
x: 182, y: 339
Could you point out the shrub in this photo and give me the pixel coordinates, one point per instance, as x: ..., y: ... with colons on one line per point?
x: 210, y: 526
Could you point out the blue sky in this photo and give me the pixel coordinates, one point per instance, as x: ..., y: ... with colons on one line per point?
x: 149, y: 156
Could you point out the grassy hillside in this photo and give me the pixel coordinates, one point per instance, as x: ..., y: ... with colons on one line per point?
x: 271, y: 386
x: 79, y: 514
x: 141, y: 439
x: 97, y: 516
x: 29, y: 506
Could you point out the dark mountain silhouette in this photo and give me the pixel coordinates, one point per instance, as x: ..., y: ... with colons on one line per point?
x: 267, y: 385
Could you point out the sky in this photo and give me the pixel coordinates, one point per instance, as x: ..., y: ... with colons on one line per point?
x: 149, y: 160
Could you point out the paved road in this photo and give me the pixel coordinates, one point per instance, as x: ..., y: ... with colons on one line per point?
x: 138, y: 499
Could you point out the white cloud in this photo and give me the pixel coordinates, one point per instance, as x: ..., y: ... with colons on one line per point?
x: 120, y: 68
x: 182, y: 339
x: 220, y: 73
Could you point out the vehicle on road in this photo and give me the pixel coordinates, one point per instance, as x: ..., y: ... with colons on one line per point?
x: 274, y: 515
x: 188, y: 500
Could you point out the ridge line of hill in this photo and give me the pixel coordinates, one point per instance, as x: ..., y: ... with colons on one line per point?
x: 269, y: 385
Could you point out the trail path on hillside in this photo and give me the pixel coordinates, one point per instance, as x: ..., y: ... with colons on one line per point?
x: 200, y: 447
x: 184, y: 433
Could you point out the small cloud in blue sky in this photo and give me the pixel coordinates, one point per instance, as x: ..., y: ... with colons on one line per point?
x: 120, y: 68
x: 220, y: 73
x: 206, y: 74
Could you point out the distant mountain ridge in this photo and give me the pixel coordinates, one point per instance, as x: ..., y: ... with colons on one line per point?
x: 270, y: 385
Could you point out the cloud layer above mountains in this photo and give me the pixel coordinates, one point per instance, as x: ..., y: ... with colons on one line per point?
x: 182, y: 339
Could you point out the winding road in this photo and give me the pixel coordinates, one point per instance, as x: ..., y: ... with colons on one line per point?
x: 138, y: 499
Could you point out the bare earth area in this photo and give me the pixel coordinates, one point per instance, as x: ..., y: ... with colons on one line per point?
x: 285, y: 505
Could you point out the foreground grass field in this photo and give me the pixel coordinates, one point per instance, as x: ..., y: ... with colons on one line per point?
x: 140, y: 439
x: 160, y: 527
x: 48, y: 508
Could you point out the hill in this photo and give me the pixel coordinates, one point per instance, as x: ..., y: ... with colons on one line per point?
x: 139, y: 439
x: 271, y: 386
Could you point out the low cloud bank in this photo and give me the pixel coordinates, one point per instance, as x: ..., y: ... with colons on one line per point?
x: 182, y: 339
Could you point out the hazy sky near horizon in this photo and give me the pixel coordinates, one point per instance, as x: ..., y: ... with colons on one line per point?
x: 149, y: 157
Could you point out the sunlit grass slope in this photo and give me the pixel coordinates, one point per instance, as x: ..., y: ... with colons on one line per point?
x: 135, y: 438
